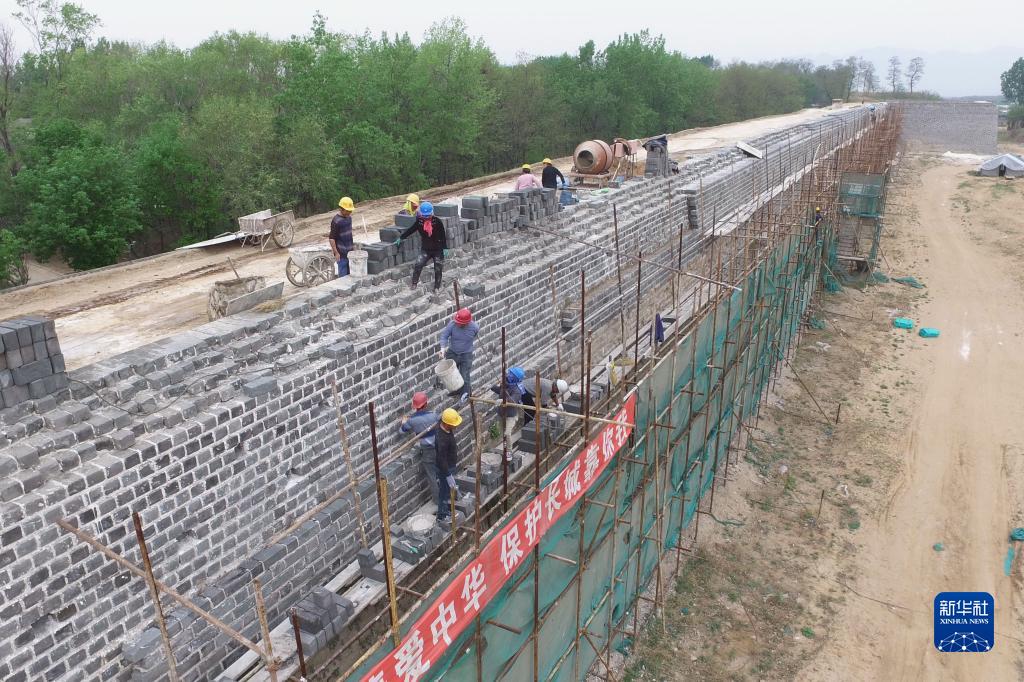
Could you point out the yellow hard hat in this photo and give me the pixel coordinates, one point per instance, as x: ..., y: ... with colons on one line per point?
x: 526, y: 166
x: 346, y: 203
x: 413, y: 198
x: 546, y: 160
x: 451, y: 417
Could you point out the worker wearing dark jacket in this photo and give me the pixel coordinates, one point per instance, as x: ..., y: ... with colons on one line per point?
x: 340, y: 237
x: 434, y: 243
x: 447, y: 461
x: 547, y: 177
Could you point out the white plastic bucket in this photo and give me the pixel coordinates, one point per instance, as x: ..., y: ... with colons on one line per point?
x: 357, y: 263
x: 448, y: 373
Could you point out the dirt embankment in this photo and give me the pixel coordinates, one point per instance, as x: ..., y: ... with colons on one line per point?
x: 919, y: 483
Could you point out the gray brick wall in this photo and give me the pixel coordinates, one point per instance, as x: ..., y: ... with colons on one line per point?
x: 222, y: 436
x: 968, y: 127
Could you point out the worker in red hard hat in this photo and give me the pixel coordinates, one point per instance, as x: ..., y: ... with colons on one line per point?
x: 457, y: 339
x: 423, y: 422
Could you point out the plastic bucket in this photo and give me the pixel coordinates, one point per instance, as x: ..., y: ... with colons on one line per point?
x: 448, y: 373
x: 357, y: 263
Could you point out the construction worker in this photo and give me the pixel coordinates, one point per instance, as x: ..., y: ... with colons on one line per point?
x: 423, y: 422
x: 818, y: 215
x: 447, y: 462
x: 340, y: 236
x: 549, y: 174
x: 552, y: 394
x: 412, y: 205
x: 457, y: 339
x: 433, y: 241
x: 512, y: 400
x: 526, y: 179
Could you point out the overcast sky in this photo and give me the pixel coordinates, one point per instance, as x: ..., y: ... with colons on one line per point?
x: 966, y: 45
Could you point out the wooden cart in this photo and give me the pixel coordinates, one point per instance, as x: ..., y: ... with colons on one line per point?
x: 308, y: 266
x: 261, y: 227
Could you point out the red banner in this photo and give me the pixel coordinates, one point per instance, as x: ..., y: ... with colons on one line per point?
x: 477, y: 584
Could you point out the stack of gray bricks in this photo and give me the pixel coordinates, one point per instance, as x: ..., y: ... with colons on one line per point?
x: 31, y: 364
x: 223, y: 436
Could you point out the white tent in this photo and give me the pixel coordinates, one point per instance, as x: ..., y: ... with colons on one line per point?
x: 1008, y: 165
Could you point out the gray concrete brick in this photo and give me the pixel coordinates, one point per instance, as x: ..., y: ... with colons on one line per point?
x: 26, y: 374
x: 259, y: 387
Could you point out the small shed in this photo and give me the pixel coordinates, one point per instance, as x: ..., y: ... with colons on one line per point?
x: 1004, y: 165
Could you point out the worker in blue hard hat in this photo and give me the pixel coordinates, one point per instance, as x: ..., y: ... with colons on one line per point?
x: 433, y: 244
x: 511, y: 395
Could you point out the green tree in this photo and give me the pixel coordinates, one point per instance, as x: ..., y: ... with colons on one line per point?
x: 12, y: 266
x: 79, y: 199
x: 58, y: 28
x: 235, y: 139
x: 180, y: 199
x: 1012, y: 81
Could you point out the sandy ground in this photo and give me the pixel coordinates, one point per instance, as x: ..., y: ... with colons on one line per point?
x: 928, y: 452
x: 960, y: 457
x: 103, y: 313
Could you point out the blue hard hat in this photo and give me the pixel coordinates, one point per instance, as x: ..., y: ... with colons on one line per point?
x: 426, y: 209
x: 516, y: 374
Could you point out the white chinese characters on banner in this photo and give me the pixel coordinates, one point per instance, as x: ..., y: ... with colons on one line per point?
x: 468, y: 594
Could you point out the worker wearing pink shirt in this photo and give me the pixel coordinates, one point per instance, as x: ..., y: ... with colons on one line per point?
x: 526, y: 180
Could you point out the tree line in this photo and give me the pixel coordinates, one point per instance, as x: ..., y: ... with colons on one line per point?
x: 114, y: 150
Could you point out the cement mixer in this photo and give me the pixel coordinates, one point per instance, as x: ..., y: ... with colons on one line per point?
x: 597, y: 162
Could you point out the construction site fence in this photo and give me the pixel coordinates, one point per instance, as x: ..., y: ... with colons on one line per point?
x: 575, y: 600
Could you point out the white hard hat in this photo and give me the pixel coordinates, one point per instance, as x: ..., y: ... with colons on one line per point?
x: 562, y: 386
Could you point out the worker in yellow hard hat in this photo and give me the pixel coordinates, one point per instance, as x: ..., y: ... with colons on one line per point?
x: 547, y: 177
x: 340, y: 237
x: 412, y: 204
x: 447, y: 462
x: 526, y: 179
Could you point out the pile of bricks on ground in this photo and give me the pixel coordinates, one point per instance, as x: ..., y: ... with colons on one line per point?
x: 476, y: 218
x: 31, y: 364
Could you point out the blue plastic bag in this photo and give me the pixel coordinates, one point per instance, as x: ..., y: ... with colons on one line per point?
x: 903, y: 323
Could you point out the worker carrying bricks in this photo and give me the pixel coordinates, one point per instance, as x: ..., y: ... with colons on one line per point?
x: 511, y: 395
x: 526, y: 179
x: 457, y: 339
x: 447, y: 462
x: 340, y: 236
x: 548, y: 175
x: 433, y: 243
x: 553, y: 394
x: 412, y: 205
x: 423, y: 422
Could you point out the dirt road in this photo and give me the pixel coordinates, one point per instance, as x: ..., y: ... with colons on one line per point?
x: 103, y: 313
x: 963, y: 453
x: 830, y: 569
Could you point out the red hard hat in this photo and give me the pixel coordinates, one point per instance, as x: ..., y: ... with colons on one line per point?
x: 463, y: 316
x: 419, y: 400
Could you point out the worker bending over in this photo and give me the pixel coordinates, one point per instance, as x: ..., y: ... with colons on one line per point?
x: 433, y: 244
x: 547, y: 177
x: 447, y: 462
x: 340, y: 236
x: 512, y: 400
x: 526, y: 179
x: 423, y: 422
x: 457, y: 339
x: 553, y: 395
